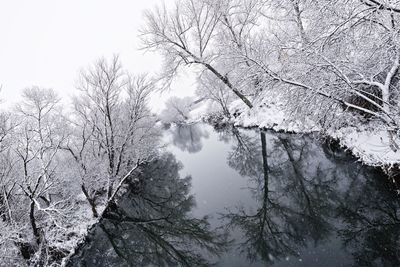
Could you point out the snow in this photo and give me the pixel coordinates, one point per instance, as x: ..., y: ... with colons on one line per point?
x: 198, y: 111
x: 372, y: 147
x: 369, y: 143
x: 269, y: 116
x: 85, y: 222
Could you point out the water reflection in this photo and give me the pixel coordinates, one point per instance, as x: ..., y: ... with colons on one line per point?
x: 306, y: 197
x: 371, y: 216
x: 152, y: 226
x: 291, y: 208
x: 188, y: 137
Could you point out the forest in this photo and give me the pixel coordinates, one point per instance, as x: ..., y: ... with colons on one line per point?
x: 301, y: 66
x: 328, y: 66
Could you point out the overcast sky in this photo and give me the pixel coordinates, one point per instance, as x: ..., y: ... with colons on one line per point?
x: 47, y: 42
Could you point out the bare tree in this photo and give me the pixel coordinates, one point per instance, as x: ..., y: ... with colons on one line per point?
x: 38, y: 138
x: 112, y: 127
x: 48, y: 158
x: 177, y: 110
x: 186, y: 36
x: 324, y: 54
x: 214, y: 90
x: 7, y: 185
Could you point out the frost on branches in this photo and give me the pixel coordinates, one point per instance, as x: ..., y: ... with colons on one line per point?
x: 290, y: 64
x: 59, y: 170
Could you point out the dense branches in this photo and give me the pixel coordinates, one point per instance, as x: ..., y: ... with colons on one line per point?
x: 342, y: 55
x: 187, y: 36
x: 52, y: 162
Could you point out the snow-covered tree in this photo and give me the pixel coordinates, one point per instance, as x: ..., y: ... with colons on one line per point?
x: 40, y: 204
x: 324, y: 58
x: 113, y: 128
x: 177, y: 110
x: 187, y: 35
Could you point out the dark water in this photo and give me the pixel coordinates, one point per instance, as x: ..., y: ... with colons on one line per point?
x: 244, y: 198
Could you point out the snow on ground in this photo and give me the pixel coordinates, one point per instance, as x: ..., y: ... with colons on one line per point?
x: 372, y: 147
x: 270, y: 116
x: 84, y: 222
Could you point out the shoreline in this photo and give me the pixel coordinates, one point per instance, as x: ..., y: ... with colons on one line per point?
x: 386, y: 168
x: 369, y: 143
x: 90, y: 226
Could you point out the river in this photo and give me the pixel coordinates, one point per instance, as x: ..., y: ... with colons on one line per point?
x: 238, y: 197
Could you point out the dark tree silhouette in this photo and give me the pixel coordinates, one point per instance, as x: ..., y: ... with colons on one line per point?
x: 152, y: 225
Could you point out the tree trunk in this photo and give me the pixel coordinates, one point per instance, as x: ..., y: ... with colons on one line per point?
x: 110, y: 188
x: 33, y: 222
x: 299, y: 21
x: 10, y: 217
x: 90, y: 201
x: 226, y: 81
x: 385, y: 99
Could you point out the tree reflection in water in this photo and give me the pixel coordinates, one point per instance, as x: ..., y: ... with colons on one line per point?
x: 188, y: 137
x: 371, y: 216
x: 306, y: 196
x: 152, y: 225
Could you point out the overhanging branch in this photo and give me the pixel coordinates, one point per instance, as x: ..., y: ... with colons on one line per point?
x: 379, y: 5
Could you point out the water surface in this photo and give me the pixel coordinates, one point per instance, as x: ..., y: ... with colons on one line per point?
x: 235, y: 197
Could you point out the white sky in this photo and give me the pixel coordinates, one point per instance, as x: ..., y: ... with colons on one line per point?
x: 47, y: 42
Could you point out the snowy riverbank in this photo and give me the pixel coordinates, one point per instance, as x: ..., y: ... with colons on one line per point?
x: 370, y: 143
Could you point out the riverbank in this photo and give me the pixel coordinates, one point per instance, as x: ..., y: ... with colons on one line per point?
x: 87, y: 227
x: 222, y: 189
x: 369, y: 142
